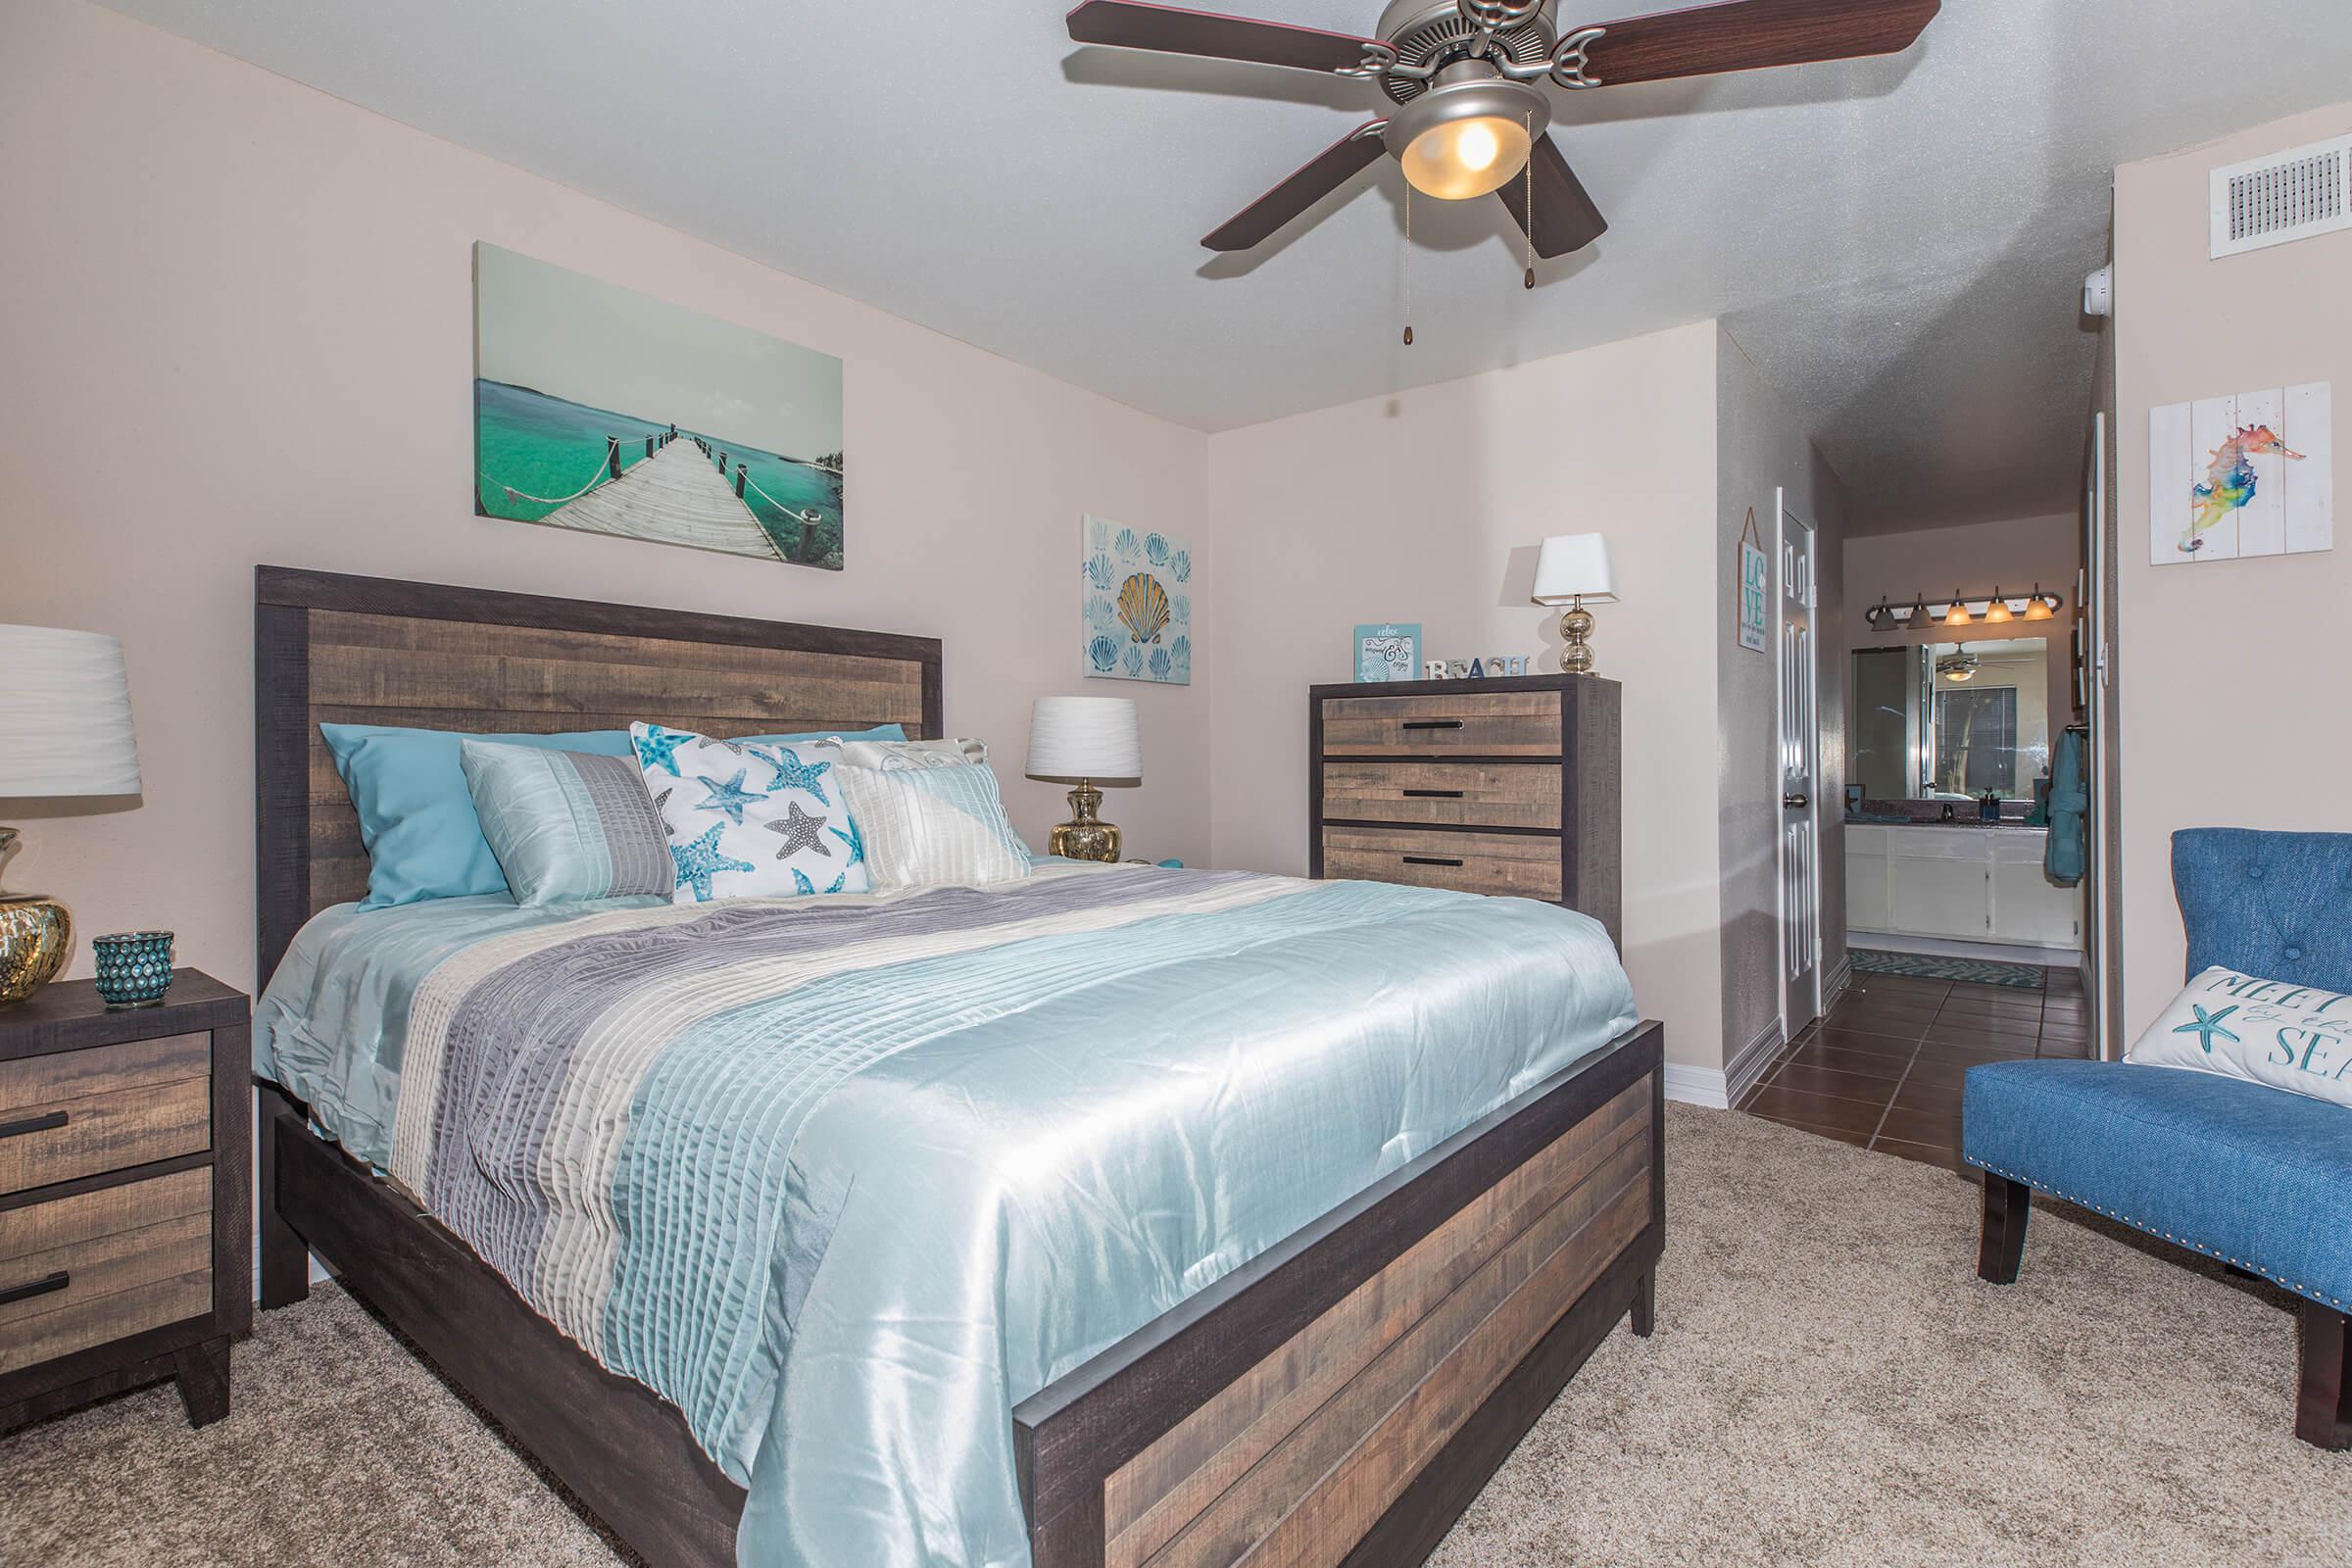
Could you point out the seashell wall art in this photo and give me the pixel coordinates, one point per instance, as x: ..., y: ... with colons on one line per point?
x: 1135, y: 596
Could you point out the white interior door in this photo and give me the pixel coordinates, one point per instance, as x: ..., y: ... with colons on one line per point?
x: 2092, y: 605
x: 1800, y: 748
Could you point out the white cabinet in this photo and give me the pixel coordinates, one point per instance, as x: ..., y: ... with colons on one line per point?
x: 2027, y: 906
x: 1866, y: 904
x: 1969, y: 884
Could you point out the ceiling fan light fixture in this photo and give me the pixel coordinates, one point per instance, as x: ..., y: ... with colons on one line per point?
x: 1466, y: 158
x: 1469, y: 136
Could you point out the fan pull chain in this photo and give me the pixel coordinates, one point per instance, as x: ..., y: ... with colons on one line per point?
x: 1531, y: 200
x: 1409, y: 263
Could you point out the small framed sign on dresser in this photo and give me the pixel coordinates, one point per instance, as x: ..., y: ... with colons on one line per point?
x: 125, y: 1196
x: 1482, y: 786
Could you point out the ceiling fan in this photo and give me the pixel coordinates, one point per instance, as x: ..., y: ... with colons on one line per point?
x: 1464, y: 78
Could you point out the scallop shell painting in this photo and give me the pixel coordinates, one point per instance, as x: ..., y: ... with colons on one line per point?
x: 1135, y: 603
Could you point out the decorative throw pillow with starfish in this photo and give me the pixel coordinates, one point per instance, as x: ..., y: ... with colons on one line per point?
x: 2276, y: 1032
x: 750, y: 820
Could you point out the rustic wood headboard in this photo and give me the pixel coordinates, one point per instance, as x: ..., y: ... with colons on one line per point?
x: 341, y: 649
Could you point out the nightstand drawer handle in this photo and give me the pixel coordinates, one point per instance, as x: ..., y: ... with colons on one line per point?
x: 1433, y: 795
x: 40, y: 1287
x: 1429, y: 859
x: 32, y: 1124
x: 1431, y: 723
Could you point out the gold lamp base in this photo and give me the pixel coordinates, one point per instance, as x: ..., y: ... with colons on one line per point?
x: 1085, y: 836
x: 1576, y: 631
x: 35, y: 933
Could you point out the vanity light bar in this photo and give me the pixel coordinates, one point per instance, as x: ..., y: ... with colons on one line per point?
x: 1922, y: 612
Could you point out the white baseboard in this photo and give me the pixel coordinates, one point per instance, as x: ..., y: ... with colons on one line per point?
x: 1839, y: 978
x: 1740, y: 1073
x: 1697, y: 1086
x: 1950, y: 948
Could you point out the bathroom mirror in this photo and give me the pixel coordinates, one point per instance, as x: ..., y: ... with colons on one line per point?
x: 1950, y: 721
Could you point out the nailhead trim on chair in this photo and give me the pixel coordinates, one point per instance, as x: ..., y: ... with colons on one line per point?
x: 2177, y: 1241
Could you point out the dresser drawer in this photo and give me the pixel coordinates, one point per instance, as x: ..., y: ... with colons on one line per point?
x: 100, y: 1266
x: 1525, y: 723
x: 1527, y: 866
x: 86, y: 1112
x: 1465, y: 794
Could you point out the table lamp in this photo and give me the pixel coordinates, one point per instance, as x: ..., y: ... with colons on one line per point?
x: 65, y: 731
x: 1078, y: 740
x: 1572, y: 569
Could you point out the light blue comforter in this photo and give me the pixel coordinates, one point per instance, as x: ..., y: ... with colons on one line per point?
x: 847, y: 1178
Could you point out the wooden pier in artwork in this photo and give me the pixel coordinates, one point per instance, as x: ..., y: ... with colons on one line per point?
x: 676, y: 496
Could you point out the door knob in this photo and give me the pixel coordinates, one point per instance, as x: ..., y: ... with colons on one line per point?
x: 1797, y: 803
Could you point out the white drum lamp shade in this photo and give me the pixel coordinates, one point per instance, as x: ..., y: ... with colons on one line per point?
x: 65, y: 715
x: 1572, y: 566
x: 1074, y: 737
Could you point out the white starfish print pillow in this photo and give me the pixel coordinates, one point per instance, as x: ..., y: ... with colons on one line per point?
x: 2273, y: 1032
x: 749, y: 821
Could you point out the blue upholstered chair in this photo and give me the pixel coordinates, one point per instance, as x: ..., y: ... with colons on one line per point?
x: 2255, y: 1176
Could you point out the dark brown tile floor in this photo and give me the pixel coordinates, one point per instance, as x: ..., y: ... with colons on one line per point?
x: 1882, y: 1069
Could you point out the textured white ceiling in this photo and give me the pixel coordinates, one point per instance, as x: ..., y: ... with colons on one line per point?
x: 1897, y: 243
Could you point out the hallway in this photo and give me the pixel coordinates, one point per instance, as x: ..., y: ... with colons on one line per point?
x: 1883, y: 1068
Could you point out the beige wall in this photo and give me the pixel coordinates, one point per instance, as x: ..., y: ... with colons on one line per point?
x: 236, y: 328
x: 1761, y: 455
x: 2012, y: 554
x: 2232, y: 683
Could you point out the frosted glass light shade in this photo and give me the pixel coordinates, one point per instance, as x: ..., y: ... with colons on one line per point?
x: 64, y: 714
x: 1460, y: 159
x: 1572, y: 566
x: 1072, y: 738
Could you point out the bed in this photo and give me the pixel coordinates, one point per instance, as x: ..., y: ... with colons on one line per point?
x: 1139, y: 1218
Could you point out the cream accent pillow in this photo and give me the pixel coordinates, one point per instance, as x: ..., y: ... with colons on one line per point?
x: 893, y: 757
x: 930, y: 825
x: 2273, y: 1032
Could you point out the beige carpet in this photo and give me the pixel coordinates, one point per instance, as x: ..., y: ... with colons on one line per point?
x: 1829, y: 1385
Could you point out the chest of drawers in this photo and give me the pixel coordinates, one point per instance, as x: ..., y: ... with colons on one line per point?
x: 125, y: 1224
x: 1481, y: 786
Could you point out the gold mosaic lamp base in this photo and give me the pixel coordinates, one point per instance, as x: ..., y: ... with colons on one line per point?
x: 1085, y: 836
x: 35, y: 933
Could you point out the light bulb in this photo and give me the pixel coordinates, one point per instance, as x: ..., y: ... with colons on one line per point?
x: 2037, y: 607
x: 1957, y: 615
x: 1998, y: 609
x: 1466, y: 158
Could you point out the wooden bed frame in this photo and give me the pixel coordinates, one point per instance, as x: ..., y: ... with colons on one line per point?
x: 1340, y: 1399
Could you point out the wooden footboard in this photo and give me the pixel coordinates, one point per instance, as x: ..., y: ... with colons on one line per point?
x: 1342, y: 1397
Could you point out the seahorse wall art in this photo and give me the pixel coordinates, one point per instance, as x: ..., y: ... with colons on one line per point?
x: 2241, y: 476
x: 1136, y: 607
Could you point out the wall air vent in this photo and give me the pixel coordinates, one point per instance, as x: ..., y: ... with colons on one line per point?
x: 2289, y: 195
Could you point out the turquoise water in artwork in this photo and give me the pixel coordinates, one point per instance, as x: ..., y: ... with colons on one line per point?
x: 549, y: 448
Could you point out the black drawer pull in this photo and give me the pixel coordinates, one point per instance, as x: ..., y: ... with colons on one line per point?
x: 1431, y: 723
x: 32, y: 1124
x: 1429, y: 859
x: 1433, y: 795
x: 40, y: 1287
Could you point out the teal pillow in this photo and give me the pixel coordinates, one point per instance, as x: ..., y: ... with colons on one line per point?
x: 417, y: 818
x: 567, y: 825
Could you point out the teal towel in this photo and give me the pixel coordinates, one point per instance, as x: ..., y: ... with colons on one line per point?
x: 2070, y: 801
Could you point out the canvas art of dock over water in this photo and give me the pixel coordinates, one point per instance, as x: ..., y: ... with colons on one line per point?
x: 603, y: 409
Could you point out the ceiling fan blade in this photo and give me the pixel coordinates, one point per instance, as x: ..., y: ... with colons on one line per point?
x: 1128, y: 25
x: 1746, y: 34
x: 1565, y: 218
x: 1326, y: 172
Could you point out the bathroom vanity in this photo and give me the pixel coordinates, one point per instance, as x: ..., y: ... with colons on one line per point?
x: 1962, y: 881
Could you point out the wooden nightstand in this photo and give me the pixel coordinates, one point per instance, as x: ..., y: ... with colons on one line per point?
x: 125, y: 1196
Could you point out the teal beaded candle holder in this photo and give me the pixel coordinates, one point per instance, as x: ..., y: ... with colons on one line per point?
x: 134, y: 967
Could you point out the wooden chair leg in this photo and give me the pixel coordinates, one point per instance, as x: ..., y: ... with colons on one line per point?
x: 2002, y: 1250
x: 1645, y: 1305
x: 2324, y: 1403
x: 286, y: 1260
